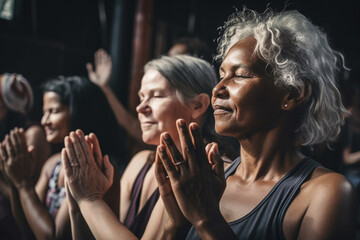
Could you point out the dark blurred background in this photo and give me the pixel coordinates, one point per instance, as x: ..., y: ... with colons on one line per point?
x: 44, y: 38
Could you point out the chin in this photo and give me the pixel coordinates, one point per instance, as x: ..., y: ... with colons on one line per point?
x: 151, y: 140
x: 54, y: 140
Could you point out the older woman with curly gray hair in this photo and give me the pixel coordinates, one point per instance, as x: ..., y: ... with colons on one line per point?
x: 277, y: 92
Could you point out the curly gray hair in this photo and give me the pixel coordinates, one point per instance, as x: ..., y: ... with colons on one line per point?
x: 297, y: 52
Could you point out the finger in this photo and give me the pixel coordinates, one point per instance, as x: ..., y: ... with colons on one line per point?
x: 89, y: 68
x: 171, y: 147
x: 2, y: 158
x: 216, y: 161
x: 208, y: 147
x: 160, y: 171
x: 66, y: 163
x: 167, y: 163
x: 187, y: 146
x: 89, y: 142
x: 97, y: 58
x: 96, y: 150
x: 85, y: 147
x: 2, y: 154
x: 9, y: 149
x: 22, y: 139
x: 79, y: 152
x: 12, y: 144
x: 108, y: 169
x: 198, y: 143
x: 101, y: 54
x: 15, y: 140
x: 70, y: 151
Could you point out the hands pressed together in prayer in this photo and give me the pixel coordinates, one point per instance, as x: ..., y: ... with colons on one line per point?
x: 192, y: 182
x: 88, y: 174
x: 16, y: 161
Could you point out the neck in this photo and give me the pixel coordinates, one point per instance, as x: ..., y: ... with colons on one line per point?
x: 267, y: 156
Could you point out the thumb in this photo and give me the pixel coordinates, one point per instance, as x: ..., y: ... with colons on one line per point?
x: 216, y: 160
x: 89, y: 68
x: 31, y: 151
x: 31, y: 148
x: 108, y: 169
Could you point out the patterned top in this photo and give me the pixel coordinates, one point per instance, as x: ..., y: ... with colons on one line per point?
x: 55, y: 195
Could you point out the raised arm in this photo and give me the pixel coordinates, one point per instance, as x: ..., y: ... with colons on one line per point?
x: 100, y: 75
x: 87, y: 184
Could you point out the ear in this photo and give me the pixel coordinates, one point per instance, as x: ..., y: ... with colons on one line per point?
x: 199, y: 105
x: 292, y: 99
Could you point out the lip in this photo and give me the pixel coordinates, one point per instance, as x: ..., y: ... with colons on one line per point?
x: 49, y: 131
x: 219, y: 109
x: 147, y: 123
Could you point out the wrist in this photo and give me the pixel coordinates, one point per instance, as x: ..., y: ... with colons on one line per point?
x: 105, y: 88
x: 23, y: 185
x: 209, y: 222
x: 173, y: 231
x: 214, y: 228
x: 89, y: 202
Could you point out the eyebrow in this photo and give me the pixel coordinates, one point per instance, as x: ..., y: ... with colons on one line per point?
x: 240, y: 65
x: 151, y: 90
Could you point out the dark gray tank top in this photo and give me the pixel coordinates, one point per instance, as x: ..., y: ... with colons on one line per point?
x: 265, y: 221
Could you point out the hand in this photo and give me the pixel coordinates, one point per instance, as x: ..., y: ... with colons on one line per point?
x: 16, y: 159
x: 196, y: 177
x: 86, y: 181
x: 103, y: 67
x: 176, y: 217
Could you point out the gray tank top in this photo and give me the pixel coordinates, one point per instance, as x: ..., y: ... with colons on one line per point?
x: 265, y: 221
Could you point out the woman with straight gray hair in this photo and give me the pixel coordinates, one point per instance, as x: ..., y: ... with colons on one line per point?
x: 172, y: 88
x: 277, y: 92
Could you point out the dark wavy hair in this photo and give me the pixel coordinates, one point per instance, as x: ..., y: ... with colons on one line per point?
x: 89, y: 109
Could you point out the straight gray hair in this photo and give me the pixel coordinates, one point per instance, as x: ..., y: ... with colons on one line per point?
x: 191, y: 76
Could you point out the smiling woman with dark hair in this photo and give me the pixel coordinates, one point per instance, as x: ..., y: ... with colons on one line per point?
x: 68, y: 103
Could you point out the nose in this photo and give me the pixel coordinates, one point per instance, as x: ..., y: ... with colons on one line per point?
x: 45, y: 119
x: 220, y: 90
x: 143, y: 107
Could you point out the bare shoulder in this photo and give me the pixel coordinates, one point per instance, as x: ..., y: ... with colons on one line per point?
x: 35, y: 130
x: 135, y: 165
x: 49, y: 164
x: 329, y: 205
x: 327, y: 183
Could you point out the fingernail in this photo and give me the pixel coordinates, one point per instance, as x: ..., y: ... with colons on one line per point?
x: 166, y: 136
x: 194, y: 126
x: 161, y: 148
x: 181, y: 123
x: 217, y: 149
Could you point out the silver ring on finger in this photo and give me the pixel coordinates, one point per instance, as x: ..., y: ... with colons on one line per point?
x: 74, y: 164
x: 179, y: 163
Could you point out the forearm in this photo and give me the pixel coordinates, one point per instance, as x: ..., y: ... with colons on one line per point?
x: 102, y: 222
x: 37, y: 216
x: 124, y: 118
x: 79, y: 228
x: 19, y: 215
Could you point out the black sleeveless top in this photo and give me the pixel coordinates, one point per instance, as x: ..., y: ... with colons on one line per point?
x: 137, y: 223
x: 265, y: 221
